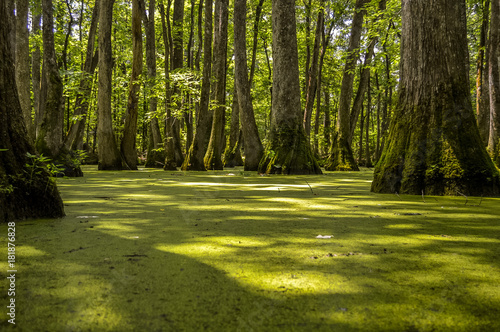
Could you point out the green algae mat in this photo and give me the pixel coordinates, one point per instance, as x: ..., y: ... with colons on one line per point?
x: 153, y: 250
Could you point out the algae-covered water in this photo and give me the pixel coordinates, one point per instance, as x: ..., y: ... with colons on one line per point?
x: 154, y: 250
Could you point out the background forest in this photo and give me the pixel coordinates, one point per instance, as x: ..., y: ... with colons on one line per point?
x: 169, y: 59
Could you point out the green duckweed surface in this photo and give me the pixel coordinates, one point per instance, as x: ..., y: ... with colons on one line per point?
x: 154, y: 250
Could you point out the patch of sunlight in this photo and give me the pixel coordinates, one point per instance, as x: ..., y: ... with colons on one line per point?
x: 252, y: 217
x: 82, y: 303
x: 196, y: 250
x: 25, y: 250
x: 119, y: 229
x: 298, y: 283
x: 444, y: 237
x: 222, y: 253
x: 404, y: 226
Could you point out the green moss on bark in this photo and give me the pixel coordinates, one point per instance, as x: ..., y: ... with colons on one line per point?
x: 289, y: 153
x: 435, y: 155
x: 341, y: 157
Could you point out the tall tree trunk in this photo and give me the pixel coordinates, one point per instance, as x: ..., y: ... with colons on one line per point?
x: 364, y: 81
x: 361, y: 133
x: 169, y: 162
x: 200, y: 39
x: 325, y: 42
x: 327, y: 124
x: 23, y: 64
x: 177, y: 63
x: 308, y: 8
x: 213, y: 157
x: 289, y: 151
x: 494, y: 81
x: 482, y: 91
x: 379, y: 127
x: 74, y: 138
x: 36, y: 57
x: 232, y: 155
x: 368, y: 160
x: 49, y: 140
x: 341, y: 157
x: 156, y: 152
x: 188, y: 113
x: 128, y: 144
x: 434, y: 146
x: 252, y: 143
x: 107, y: 150
x: 196, y: 153
x: 22, y: 196
x: 313, y: 72
x: 258, y: 15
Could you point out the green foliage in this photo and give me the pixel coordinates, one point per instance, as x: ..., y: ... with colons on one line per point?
x: 37, y: 166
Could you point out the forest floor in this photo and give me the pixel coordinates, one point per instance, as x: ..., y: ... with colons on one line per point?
x: 155, y: 250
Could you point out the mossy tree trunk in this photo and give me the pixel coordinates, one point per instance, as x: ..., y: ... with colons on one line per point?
x: 196, y: 153
x: 494, y: 81
x: 341, y: 157
x: 213, y: 157
x: 128, y: 144
x: 253, y: 146
x: 288, y: 151
x: 434, y: 146
x: 107, y: 150
x: 22, y: 194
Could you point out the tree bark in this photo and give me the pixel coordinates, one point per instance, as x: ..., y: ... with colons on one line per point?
x: 341, y: 157
x: 434, y: 146
x: 252, y: 143
x: 289, y: 151
x: 482, y: 91
x: 196, y: 153
x: 313, y: 72
x: 258, y: 14
x: 35, y: 66
x: 232, y: 155
x: 74, y: 138
x: 23, y: 64
x: 494, y: 81
x: 368, y: 160
x: 156, y: 151
x: 21, y: 196
x: 364, y: 81
x: 327, y: 124
x: 49, y: 140
x: 107, y: 150
x: 213, y: 157
x: 169, y: 161
x: 174, y: 138
x: 128, y: 143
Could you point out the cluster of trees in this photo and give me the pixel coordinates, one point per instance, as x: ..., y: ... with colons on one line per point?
x: 279, y: 86
x: 190, y: 83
